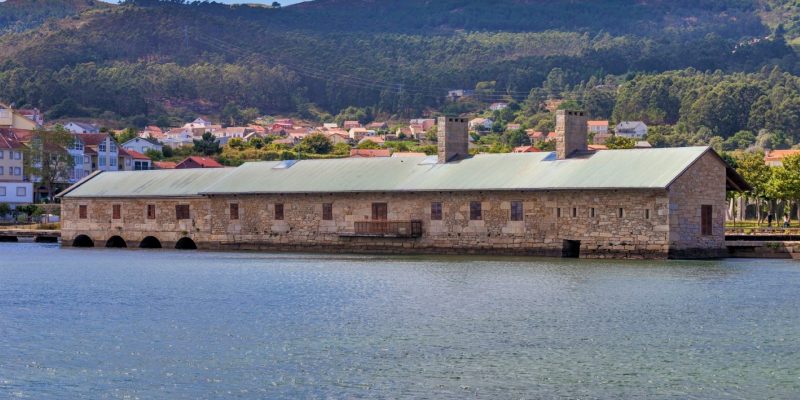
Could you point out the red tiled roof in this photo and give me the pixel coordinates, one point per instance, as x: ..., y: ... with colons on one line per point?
x: 133, y: 154
x: 526, y: 149
x: 778, y: 155
x: 10, y: 140
x: 201, y: 162
x: 164, y: 164
x: 597, y: 123
x: 370, y: 153
x: 92, y: 139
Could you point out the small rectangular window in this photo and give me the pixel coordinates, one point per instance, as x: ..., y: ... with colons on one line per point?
x: 182, y: 211
x: 1, y: 170
x: 1, y: 154
x: 436, y: 211
x: 151, y: 211
x: 82, y: 212
x: 620, y: 213
x: 327, y: 211
x: 116, y: 211
x: 574, y: 212
x: 475, y: 212
x: 592, y: 213
x: 517, y: 213
x: 380, y: 211
x: 558, y: 212
x: 22, y: 191
x: 234, y: 211
x: 647, y: 214
x: 279, y: 212
x: 706, y: 218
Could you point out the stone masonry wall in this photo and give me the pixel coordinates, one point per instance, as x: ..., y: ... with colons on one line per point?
x: 702, y: 184
x: 640, y: 231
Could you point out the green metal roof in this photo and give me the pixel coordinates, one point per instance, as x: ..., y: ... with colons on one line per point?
x: 158, y: 183
x: 607, y: 169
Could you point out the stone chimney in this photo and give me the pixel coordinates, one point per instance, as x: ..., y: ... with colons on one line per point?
x: 453, y: 139
x: 570, y: 133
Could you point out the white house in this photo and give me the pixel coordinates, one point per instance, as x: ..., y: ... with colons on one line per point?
x: 481, y: 124
x: 498, y: 106
x: 142, y: 145
x: 631, y: 129
x: 16, y: 193
x: 81, y: 127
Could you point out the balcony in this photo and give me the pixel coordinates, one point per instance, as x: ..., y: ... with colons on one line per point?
x: 386, y: 229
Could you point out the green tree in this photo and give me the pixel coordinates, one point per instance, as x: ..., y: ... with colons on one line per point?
x: 47, y: 159
x: 316, y: 143
x: 785, y: 181
x: 517, y: 137
x: 619, y: 142
x: 4, y: 209
x: 751, y: 167
x: 207, y: 145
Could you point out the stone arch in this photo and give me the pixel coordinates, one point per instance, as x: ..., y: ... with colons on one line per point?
x: 150, y: 242
x: 186, y: 244
x: 82, y: 241
x: 116, y: 242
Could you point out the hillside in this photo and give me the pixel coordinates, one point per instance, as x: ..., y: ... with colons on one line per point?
x: 20, y: 15
x: 147, y: 60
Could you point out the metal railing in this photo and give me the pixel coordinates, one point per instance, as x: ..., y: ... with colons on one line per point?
x: 409, y: 229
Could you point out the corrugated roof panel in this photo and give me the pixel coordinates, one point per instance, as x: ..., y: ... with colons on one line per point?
x: 608, y: 169
x: 158, y: 183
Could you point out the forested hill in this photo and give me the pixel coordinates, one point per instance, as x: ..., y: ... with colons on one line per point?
x: 19, y: 15
x: 146, y: 59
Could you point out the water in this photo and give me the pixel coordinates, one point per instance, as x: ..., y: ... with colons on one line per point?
x: 132, y: 324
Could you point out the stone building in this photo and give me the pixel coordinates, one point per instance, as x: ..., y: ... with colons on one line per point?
x: 648, y: 203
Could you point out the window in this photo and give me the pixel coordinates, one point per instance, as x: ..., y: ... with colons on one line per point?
x: 102, y: 146
x: 2, y: 192
x: 127, y: 161
x: 102, y: 161
x: 574, y: 212
x: 182, y: 211
x: 18, y: 155
x: 116, y: 211
x: 18, y: 171
x: 112, y: 161
x: 151, y: 211
x: 620, y: 212
x: 436, y: 211
x: 380, y: 211
x: 706, y: 217
x: 592, y: 213
x: 475, y: 212
x: 279, y: 212
x: 647, y: 214
x: 82, y: 212
x: 22, y: 191
x: 234, y: 211
x: 327, y: 211
x: 516, y: 211
x: 113, y: 147
x: 2, y: 152
x: 1, y: 170
x: 558, y: 212
x: 87, y: 160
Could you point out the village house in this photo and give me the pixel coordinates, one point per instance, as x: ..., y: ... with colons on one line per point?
x: 377, y: 126
x: 370, y: 153
x: 498, y: 106
x: 774, y: 158
x: 360, y: 133
x: 15, y: 189
x: 103, y: 151
x: 32, y: 114
x: 648, y: 203
x: 423, y: 123
x: 142, y: 145
x: 12, y: 119
x: 153, y: 132
x: 597, y: 127
x: 193, y: 162
x: 481, y: 124
x: 164, y: 165
x: 82, y: 128
x: 132, y: 160
x: 348, y: 125
x: 631, y: 129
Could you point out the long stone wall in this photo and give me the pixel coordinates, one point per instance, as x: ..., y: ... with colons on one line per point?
x: 629, y: 224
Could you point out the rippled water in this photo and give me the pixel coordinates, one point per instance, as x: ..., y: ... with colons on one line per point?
x: 102, y: 323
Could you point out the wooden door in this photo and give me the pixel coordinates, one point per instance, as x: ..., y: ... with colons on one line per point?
x: 380, y: 211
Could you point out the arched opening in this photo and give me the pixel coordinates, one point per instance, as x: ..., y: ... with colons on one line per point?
x: 150, y: 242
x: 186, y: 244
x: 116, y: 242
x: 82, y: 241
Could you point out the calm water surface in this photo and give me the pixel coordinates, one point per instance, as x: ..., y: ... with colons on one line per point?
x: 172, y: 325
